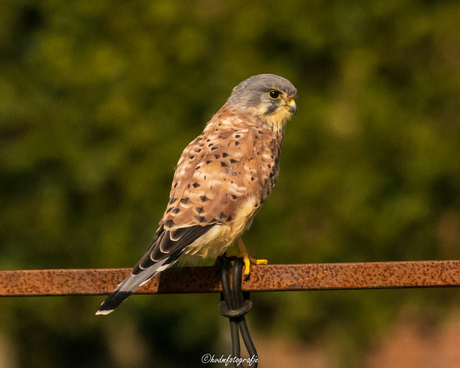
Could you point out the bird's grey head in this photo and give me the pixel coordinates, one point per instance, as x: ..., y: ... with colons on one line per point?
x: 266, y: 96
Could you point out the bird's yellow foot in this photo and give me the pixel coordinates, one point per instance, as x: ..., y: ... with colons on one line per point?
x: 247, y: 259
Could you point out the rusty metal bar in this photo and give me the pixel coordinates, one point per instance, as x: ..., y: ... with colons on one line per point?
x: 277, y: 277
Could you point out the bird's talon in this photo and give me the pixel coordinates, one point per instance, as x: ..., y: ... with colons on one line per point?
x: 247, y: 266
x: 258, y: 261
x: 247, y: 259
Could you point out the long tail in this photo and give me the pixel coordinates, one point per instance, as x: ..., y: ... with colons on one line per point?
x: 132, y: 282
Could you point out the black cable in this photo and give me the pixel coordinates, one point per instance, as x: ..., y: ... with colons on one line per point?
x: 234, y: 305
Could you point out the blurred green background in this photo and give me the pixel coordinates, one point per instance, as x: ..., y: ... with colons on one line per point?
x: 97, y: 101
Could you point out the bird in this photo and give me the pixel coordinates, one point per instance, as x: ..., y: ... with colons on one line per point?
x: 222, y: 179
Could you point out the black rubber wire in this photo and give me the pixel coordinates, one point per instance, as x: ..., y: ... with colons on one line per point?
x: 234, y: 305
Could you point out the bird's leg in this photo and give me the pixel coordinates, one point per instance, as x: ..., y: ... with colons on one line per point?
x: 242, y: 252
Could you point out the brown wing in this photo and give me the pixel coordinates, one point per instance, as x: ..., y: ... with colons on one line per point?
x: 230, y: 161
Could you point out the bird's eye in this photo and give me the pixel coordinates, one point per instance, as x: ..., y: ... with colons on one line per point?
x: 274, y: 94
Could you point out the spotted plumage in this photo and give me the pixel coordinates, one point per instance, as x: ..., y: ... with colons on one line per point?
x: 221, y: 180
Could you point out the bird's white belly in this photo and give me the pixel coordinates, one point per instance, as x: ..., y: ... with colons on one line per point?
x: 216, y: 241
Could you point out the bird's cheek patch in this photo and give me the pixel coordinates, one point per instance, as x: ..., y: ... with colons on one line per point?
x: 260, y: 110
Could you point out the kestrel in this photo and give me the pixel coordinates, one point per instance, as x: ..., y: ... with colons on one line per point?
x: 221, y: 180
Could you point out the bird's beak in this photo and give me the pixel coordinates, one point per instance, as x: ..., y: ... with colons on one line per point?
x: 292, y: 106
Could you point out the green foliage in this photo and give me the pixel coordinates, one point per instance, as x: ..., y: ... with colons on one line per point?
x: 98, y: 98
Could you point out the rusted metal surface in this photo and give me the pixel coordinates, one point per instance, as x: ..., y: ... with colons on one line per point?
x: 324, y: 276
